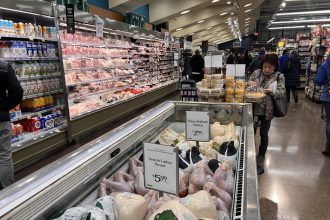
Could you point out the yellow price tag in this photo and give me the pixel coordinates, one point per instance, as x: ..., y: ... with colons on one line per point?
x: 31, y: 38
x: 43, y: 39
x: 39, y: 114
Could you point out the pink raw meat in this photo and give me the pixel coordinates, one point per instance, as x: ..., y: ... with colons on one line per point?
x: 199, y: 177
x: 220, y: 193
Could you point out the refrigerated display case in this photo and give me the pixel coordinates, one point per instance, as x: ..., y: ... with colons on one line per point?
x: 111, y: 76
x: 74, y: 179
x: 28, y: 41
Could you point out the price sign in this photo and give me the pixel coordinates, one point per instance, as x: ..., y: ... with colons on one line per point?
x: 161, y: 168
x: 99, y: 23
x: 198, y: 126
x: 71, y: 29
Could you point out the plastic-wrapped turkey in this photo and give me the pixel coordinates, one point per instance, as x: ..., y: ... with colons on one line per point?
x: 217, y: 130
x: 201, y: 205
x: 174, y: 209
x: 130, y: 206
x: 208, y: 151
x: 169, y: 137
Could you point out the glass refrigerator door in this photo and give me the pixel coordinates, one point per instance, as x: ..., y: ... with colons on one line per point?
x: 28, y: 41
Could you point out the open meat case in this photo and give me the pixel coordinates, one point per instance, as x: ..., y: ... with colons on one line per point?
x: 106, y: 172
x: 112, y: 72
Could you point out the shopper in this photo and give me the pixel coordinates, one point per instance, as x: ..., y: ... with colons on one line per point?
x: 266, y: 78
x: 230, y: 59
x: 322, y: 79
x: 11, y: 94
x: 256, y: 62
x: 283, y: 59
x: 291, y: 71
x: 197, y: 66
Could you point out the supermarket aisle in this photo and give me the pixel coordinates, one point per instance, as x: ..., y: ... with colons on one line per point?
x: 296, y: 182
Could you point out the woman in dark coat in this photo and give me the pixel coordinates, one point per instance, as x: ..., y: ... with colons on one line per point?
x: 292, y: 72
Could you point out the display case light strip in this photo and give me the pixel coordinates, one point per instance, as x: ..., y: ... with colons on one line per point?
x: 26, y: 12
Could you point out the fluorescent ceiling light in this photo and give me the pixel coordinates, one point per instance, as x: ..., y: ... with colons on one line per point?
x: 179, y: 29
x: 201, y: 21
x: 303, y: 13
x: 185, y: 12
x: 224, y: 13
x: 248, y: 10
x: 291, y: 27
x: 208, y: 28
x: 283, y: 4
x: 301, y: 21
x: 247, y: 5
x: 228, y: 3
x: 214, y: 1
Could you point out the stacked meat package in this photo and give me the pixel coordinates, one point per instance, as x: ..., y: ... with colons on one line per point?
x: 206, y: 184
x: 102, y: 71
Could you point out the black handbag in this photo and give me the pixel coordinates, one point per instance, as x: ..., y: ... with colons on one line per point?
x: 280, y: 105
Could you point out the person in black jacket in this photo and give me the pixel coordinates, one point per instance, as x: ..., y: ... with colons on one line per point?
x: 292, y: 71
x: 197, y: 66
x: 11, y: 94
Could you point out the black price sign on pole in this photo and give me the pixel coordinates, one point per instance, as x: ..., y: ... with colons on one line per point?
x: 71, y: 29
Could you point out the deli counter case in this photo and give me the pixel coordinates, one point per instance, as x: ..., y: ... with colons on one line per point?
x: 74, y: 180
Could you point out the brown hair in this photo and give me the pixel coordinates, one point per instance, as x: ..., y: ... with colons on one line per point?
x: 272, y: 59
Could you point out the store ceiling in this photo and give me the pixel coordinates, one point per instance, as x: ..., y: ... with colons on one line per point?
x: 292, y: 14
x: 203, y: 19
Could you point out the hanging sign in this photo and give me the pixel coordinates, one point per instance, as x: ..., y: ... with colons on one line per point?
x: 70, y: 25
x: 161, y: 168
x: 99, y: 23
x: 198, y: 126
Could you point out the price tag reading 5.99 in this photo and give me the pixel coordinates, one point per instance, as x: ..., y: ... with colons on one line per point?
x: 198, y: 126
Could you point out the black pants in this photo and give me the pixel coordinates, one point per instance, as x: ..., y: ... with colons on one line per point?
x: 264, y: 129
x: 294, y: 92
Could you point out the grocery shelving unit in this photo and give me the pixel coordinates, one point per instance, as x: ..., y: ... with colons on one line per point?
x: 319, y: 48
x: 29, y: 43
x: 304, y: 43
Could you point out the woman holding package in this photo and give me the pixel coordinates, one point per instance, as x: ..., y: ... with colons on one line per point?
x: 273, y: 84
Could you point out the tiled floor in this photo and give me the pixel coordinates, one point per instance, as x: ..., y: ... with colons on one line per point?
x: 296, y: 182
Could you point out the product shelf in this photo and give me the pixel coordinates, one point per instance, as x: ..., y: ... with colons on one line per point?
x: 42, y: 94
x: 94, y: 80
x: 27, y: 78
x: 96, y: 45
x: 25, y: 115
x: 31, y: 59
x: 33, y: 137
x: 95, y: 56
x: 30, y: 38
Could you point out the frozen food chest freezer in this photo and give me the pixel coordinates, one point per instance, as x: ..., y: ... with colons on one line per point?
x: 74, y: 180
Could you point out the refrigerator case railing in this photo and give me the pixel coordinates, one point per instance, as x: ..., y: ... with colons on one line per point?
x: 36, y: 196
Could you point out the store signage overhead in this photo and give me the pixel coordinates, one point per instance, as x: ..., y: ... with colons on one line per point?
x: 161, y: 168
x: 198, y: 126
x: 71, y: 29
